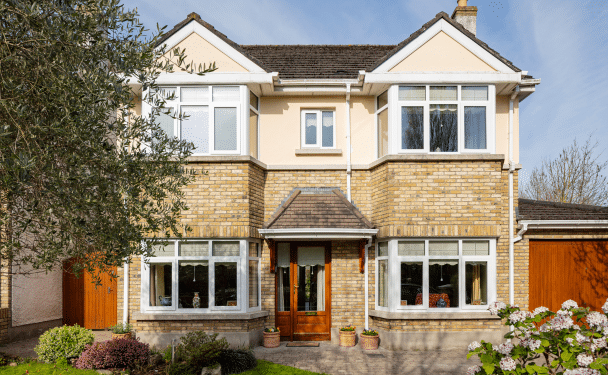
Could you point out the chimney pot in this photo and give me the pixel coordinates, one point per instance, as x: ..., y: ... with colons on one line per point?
x: 466, y: 16
x: 462, y: 3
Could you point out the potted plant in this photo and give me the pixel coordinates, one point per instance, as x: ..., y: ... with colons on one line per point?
x: 272, y: 337
x: 369, y: 339
x: 347, y: 336
x: 121, y: 330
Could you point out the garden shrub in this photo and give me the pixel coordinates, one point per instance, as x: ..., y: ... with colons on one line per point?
x: 117, y: 353
x: 199, y: 349
x: 571, y: 341
x: 181, y: 368
x: 63, y: 342
x: 235, y: 361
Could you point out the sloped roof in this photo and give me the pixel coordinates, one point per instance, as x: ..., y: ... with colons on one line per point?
x: 317, y: 208
x: 326, y: 61
x: 541, y: 210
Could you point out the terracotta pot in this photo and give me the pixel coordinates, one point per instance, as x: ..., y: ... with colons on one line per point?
x: 347, y: 338
x: 127, y: 335
x: 272, y: 339
x: 369, y: 342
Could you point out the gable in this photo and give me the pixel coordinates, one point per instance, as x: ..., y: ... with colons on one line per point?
x: 442, y: 53
x: 201, y: 51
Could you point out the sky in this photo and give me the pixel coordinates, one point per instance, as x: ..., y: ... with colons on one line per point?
x: 564, y: 43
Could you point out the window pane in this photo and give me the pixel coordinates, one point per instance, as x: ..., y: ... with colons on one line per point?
x: 475, y: 128
x: 475, y: 248
x: 253, y: 100
x: 193, y: 284
x: 476, y: 283
x: 283, y: 292
x: 253, y: 283
x: 411, y: 248
x: 225, y: 284
x: 412, y: 93
x: 164, y: 93
x: 443, y: 283
x: 444, y: 93
x: 222, y: 94
x: 225, y: 129
x: 310, y: 130
x: 254, y: 249
x: 226, y: 249
x: 382, y: 99
x: 160, y: 284
x: 444, y: 127
x: 474, y: 93
x: 383, y: 283
x: 164, y: 250
x: 383, y: 249
x: 383, y: 133
x: 195, y: 94
x: 166, y: 123
x: 327, y: 135
x: 412, y: 128
x: 311, y: 287
x: 253, y: 134
x: 195, y: 128
x: 411, y: 283
x: 194, y: 249
x: 443, y: 248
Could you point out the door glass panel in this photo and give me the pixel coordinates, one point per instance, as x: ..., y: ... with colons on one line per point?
x: 311, y: 279
x: 283, y: 294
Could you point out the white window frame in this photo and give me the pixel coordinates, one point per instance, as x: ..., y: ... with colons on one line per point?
x: 318, y: 113
x: 176, y: 105
x: 394, y: 284
x: 377, y: 124
x: 257, y: 112
x: 378, y: 259
x: 242, y: 278
x: 395, y: 146
x: 259, y: 260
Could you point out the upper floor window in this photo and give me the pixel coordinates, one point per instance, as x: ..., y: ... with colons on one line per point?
x: 440, y: 119
x: 318, y: 128
x: 210, y: 117
x: 382, y: 123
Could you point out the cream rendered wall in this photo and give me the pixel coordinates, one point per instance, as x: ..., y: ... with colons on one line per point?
x: 502, y: 127
x: 37, y: 298
x: 442, y: 54
x: 202, y: 52
x: 280, y: 131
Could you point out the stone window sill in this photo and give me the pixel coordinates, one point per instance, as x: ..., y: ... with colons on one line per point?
x: 414, y: 315
x: 319, y: 151
x: 139, y: 316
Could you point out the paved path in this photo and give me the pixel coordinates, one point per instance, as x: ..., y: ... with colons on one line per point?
x: 335, y: 360
x: 25, y: 348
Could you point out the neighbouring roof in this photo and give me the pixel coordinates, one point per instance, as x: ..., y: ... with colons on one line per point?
x: 317, y: 208
x: 541, y: 210
x: 326, y: 61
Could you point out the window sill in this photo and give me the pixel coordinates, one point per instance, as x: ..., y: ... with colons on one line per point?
x: 319, y: 151
x: 139, y: 316
x: 415, y: 315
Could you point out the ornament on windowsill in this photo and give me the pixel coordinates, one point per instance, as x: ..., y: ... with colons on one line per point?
x: 196, y: 301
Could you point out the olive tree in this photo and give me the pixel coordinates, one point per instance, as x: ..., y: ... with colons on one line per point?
x: 81, y: 173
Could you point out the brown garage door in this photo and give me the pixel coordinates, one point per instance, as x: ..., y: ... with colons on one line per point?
x: 562, y: 270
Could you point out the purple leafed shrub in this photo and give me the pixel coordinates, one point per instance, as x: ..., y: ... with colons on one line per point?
x: 117, y: 353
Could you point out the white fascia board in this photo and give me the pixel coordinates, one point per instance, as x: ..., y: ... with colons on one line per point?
x: 214, y: 78
x: 318, y: 233
x: 454, y: 33
x: 313, y: 82
x: 227, y: 49
x: 442, y: 77
x: 565, y: 224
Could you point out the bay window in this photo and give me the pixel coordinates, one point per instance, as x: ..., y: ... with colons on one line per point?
x: 439, y: 119
x: 435, y: 275
x: 201, y: 276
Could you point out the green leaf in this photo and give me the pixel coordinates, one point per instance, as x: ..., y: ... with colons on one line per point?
x: 566, y: 355
x: 489, y: 368
x: 545, y: 343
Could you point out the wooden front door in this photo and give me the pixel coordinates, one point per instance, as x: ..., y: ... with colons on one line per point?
x: 303, y: 281
x: 86, y: 304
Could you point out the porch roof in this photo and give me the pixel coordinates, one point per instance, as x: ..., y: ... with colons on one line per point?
x: 317, y: 213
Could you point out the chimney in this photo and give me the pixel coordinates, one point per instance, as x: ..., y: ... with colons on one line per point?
x: 466, y: 16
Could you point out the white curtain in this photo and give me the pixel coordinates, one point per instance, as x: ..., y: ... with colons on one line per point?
x: 311, y: 256
x: 321, y: 288
x: 281, y: 291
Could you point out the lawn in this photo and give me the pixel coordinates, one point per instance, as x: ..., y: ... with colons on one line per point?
x: 44, y: 369
x: 269, y: 368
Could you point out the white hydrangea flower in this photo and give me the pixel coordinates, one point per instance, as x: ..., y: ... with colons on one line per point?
x: 496, y: 306
x: 596, y: 319
x: 605, y: 307
x: 569, y: 304
x: 598, y: 344
x: 545, y: 328
x: 540, y: 310
x: 570, y: 341
x: 561, y: 322
x: 508, y: 364
x: 584, y: 360
x: 505, y: 348
x: 582, y: 371
x: 473, y: 370
x: 474, y: 345
x: 518, y: 316
x: 534, y: 344
x: 563, y: 313
x: 581, y: 338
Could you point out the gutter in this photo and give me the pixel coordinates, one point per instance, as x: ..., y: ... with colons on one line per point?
x: 348, y: 145
x: 564, y: 224
x: 314, y: 233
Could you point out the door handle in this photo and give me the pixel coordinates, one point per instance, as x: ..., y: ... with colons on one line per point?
x: 109, y: 290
